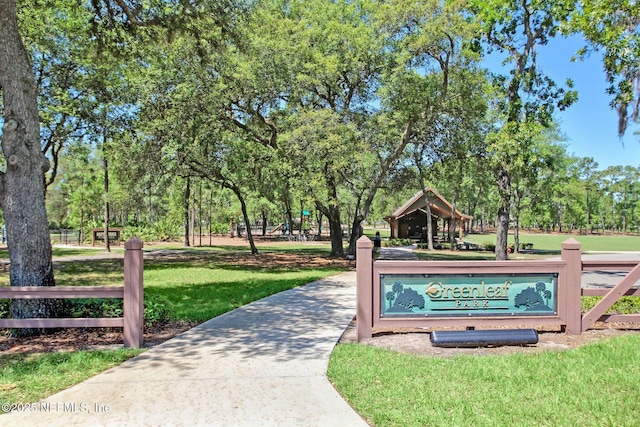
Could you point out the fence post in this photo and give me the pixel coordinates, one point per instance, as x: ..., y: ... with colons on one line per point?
x: 364, y: 287
x: 133, y: 293
x: 572, y: 284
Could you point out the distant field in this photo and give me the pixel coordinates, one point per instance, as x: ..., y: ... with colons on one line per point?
x: 553, y: 242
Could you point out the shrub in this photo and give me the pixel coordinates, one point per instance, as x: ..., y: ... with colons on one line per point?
x: 488, y: 246
x: 220, y: 228
x: 398, y: 242
x: 155, y: 309
x: 92, y: 307
x: 5, y: 308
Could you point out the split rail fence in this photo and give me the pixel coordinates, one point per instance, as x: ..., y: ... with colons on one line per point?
x: 132, y: 294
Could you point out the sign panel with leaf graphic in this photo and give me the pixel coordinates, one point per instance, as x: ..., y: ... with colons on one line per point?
x: 442, y: 295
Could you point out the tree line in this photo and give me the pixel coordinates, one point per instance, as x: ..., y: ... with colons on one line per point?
x: 272, y: 106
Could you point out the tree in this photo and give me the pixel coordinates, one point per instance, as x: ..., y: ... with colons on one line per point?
x: 61, y: 53
x: 22, y: 183
x: 340, y: 58
x: 421, y: 89
x: 321, y: 147
x: 586, y: 169
x: 612, y: 27
x: 517, y: 28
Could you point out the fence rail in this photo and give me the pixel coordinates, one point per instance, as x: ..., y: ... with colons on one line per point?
x: 132, y: 294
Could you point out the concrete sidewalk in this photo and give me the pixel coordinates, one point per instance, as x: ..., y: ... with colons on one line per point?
x: 263, y: 364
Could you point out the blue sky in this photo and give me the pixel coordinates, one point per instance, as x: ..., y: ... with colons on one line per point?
x: 590, y: 125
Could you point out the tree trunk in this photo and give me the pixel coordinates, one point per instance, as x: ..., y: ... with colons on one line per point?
x: 502, y: 231
x: 335, y: 229
x: 356, y: 226
x: 245, y: 215
x: 264, y: 222
x: 385, y: 166
x: 425, y: 194
x: 332, y: 212
x: 22, y: 184
x: 187, y: 196
x: 289, y: 216
x: 516, y: 218
x: 588, y: 215
x: 107, y: 245
x: 200, y: 213
x: 319, y: 219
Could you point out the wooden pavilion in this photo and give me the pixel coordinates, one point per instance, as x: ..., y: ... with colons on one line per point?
x: 410, y: 220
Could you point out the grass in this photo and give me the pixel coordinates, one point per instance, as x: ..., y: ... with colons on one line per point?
x: 553, y: 242
x: 200, y: 291
x: 196, y: 288
x: 594, y: 385
x: 29, y: 377
x: 65, y: 252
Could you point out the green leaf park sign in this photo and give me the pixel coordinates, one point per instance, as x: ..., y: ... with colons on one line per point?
x: 433, y: 295
x: 397, y: 294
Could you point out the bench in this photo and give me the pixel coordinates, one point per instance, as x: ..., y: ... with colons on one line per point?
x: 484, y: 338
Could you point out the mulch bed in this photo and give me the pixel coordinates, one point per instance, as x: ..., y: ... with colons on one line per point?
x: 417, y: 341
x: 76, y: 339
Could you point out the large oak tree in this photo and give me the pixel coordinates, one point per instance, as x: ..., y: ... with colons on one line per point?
x: 22, y: 183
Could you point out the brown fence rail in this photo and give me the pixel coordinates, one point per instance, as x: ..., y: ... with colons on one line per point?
x: 610, y: 295
x: 132, y: 294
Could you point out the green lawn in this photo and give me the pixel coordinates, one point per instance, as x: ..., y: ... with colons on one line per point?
x: 65, y: 252
x: 594, y: 385
x: 553, y: 242
x: 26, y: 378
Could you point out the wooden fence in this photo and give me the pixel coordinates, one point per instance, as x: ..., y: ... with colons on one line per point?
x: 569, y: 290
x: 132, y: 294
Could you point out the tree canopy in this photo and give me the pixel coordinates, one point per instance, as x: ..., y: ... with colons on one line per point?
x: 157, y: 116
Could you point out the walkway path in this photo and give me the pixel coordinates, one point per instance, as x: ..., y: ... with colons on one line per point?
x: 607, y: 279
x: 398, y: 253
x: 263, y: 364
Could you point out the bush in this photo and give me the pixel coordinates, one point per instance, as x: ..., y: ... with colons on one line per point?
x: 5, y: 308
x: 92, y: 307
x: 160, y: 231
x: 398, y: 242
x: 488, y: 246
x: 220, y: 228
x: 155, y: 309
x: 142, y: 232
